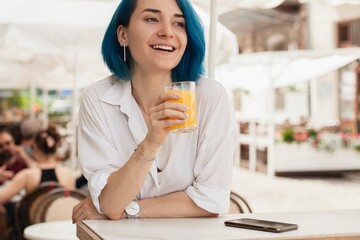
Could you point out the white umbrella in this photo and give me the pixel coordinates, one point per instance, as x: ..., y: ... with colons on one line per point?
x: 228, y: 5
x: 259, y: 71
x: 70, y: 33
x: 333, y: 2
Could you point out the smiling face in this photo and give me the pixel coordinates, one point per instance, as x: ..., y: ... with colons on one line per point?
x: 156, y: 35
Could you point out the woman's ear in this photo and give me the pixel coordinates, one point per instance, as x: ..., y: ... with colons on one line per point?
x: 121, y: 35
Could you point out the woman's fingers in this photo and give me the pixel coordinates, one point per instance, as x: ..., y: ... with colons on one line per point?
x: 166, y: 109
x: 86, y: 210
x: 166, y: 96
x: 165, y: 113
x: 80, y: 210
x: 78, y: 216
x: 169, y: 105
x: 76, y: 212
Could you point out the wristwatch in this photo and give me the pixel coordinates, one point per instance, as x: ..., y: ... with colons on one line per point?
x: 132, y: 210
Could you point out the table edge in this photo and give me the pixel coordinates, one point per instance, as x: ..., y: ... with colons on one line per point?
x: 84, y: 232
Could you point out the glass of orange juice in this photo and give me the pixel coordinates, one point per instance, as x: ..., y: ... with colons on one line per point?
x: 186, y: 91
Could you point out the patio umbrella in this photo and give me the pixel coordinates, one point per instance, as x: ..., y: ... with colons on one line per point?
x: 260, y: 71
x: 70, y: 33
x: 215, y: 9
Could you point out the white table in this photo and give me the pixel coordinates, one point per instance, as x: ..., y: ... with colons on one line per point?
x: 343, y: 224
x: 56, y: 230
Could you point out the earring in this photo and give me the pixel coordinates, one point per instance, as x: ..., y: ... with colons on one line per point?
x: 124, y: 53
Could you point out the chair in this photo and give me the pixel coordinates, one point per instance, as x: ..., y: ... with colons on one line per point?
x: 238, y: 204
x: 3, y: 226
x: 57, y: 204
x: 22, y: 208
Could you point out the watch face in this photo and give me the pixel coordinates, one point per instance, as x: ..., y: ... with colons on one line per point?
x: 133, y: 208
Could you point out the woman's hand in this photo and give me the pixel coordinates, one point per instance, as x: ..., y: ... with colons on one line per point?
x: 86, y: 210
x: 164, y: 114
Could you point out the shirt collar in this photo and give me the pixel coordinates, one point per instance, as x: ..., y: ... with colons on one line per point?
x: 119, y: 93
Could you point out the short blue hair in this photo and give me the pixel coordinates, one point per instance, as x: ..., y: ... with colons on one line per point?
x: 191, y: 66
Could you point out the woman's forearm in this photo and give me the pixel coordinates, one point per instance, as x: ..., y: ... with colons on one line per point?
x: 124, y: 184
x: 177, y: 204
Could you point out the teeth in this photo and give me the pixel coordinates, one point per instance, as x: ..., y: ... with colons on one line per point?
x: 166, y: 48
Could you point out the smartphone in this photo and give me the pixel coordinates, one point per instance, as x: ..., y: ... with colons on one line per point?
x: 261, y: 225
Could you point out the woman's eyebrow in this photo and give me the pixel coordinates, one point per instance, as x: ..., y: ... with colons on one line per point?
x: 152, y: 10
x: 178, y: 15
x: 157, y: 11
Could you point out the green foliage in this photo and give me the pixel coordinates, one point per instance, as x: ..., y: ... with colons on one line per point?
x: 19, y: 99
x: 287, y: 135
x: 312, y: 133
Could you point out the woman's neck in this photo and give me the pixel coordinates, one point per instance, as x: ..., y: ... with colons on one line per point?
x: 146, y: 88
x: 46, y: 161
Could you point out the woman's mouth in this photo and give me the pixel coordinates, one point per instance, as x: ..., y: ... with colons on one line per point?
x: 162, y: 48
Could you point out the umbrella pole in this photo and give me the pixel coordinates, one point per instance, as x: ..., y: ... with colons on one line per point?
x: 212, y: 39
x: 45, y: 106
x: 74, y: 115
x: 271, y: 132
x: 32, y: 99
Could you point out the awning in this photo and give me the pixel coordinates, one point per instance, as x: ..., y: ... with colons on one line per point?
x: 56, y: 42
x: 259, y: 71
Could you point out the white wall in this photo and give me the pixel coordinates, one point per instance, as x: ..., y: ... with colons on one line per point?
x: 323, y: 29
x: 325, y: 106
x: 296, y: 106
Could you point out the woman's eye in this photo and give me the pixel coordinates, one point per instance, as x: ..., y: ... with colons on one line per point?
x: 151, y: 19
x: 180, y: 24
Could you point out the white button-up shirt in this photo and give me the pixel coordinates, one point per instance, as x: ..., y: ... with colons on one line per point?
x: 200, y: 163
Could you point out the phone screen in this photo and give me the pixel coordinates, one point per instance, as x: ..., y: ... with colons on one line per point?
x: 262, y: 225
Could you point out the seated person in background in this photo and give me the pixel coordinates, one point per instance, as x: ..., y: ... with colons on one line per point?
x: 13, y: 157
x: 28, y: 129
x: 47, y: 169
x: 81, y: 182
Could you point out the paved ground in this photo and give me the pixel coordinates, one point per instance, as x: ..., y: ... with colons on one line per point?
x: 282, y: 194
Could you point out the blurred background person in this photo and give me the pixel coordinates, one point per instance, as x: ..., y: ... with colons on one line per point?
x: 12, y: 156
x: 46, y: 169
x: 28, y: 129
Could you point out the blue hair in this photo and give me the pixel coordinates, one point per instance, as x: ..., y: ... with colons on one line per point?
x: 191, y: 66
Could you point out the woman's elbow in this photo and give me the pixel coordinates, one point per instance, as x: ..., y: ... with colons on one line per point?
x: 113, y: 213
x: 114, y: 216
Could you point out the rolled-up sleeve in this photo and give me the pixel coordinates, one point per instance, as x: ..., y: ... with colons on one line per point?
x: 216, y: 151
x: 98, y: 157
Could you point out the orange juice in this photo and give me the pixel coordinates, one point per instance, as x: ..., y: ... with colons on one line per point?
x: 188, y: 98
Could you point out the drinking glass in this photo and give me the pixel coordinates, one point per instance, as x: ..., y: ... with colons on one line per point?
x: 186, y: 91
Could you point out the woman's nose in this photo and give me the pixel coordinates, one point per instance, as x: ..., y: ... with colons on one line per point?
x: 166, y: 30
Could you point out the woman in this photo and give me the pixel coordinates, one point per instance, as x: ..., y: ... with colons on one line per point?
x: 134, y: 165
x: 47, y: 169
